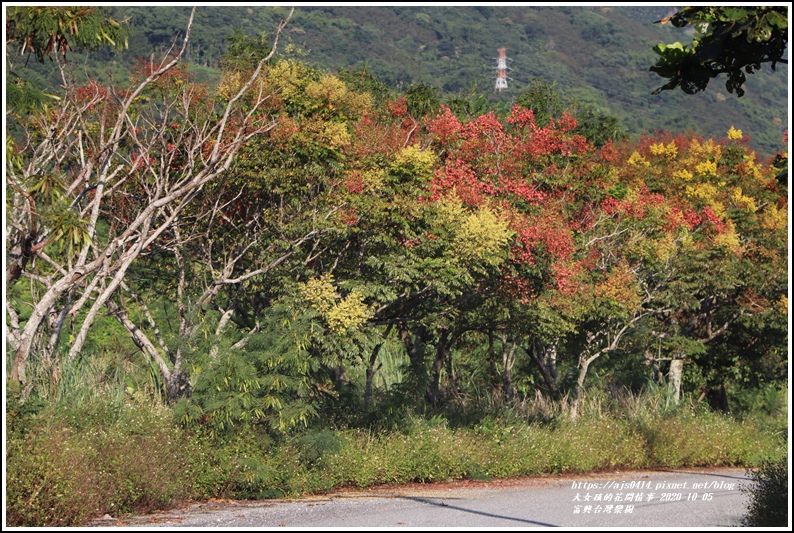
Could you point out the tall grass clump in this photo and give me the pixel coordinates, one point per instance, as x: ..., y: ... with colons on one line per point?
x: 439, y: 453
x: 704, y: 439
x: 620, y: 431
x: 689, y: 433
x: 67, y: 464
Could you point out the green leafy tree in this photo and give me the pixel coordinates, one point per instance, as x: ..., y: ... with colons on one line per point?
x: 728, y: 40
x: 267, y: 387
x: 52, y: 31
x: 44, y: 31
x: 546, y: 102
x: 543, y: 99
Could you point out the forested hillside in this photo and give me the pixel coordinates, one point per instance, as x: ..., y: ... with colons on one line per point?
x: 597, y: 56
x: 244, y: 274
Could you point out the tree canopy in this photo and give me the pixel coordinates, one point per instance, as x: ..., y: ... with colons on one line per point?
x: 728, y: 40
x: 261, y: 241
x: 44, y: 30
x: 47, y: 31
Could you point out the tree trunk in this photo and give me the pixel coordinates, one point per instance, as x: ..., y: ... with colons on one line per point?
x: 140, y: 339
x: 40, y: 311
x: 508, y: 361
x: 177, y: 385
x: 584, y: 364
x: 545, y: 357
x: 718, y: 399
x: 434, y: 393
x: 372, y: 369
x: 676, y: 371
x: 415, y: 346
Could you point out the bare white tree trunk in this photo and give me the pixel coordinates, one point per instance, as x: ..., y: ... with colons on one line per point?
x: 676, y: 371
x: 209, y: 150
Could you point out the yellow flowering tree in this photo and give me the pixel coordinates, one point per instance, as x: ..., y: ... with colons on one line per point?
x: 725, y: 247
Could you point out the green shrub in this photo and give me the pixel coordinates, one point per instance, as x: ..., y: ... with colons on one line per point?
x: 768, y: 505
x: 70, y: 466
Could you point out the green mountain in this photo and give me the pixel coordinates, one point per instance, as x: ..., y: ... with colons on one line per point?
x: 597, y: 56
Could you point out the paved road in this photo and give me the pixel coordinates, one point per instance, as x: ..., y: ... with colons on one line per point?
x: 680, y: 498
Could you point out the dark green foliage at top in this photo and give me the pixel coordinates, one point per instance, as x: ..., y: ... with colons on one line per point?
x: 362, y: 80
x: 422, y: 99
x: 543, y: 99
x: 547, y: 103
x: 24, y: 93
x: 768, y: 505
x: 729, y: 40
x: 44, y: 31
x: 244, y: 52
x: 53, y: 29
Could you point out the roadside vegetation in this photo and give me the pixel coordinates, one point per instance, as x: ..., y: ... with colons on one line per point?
x: 67, y: 465
x: 296, y: 280
x: 768, y: 491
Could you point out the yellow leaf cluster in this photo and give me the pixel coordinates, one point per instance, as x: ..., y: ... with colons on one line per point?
x: 666, y: 248
x: 688, y: 243
x: 706, y: 168
x: 774, y: 219
x: 705, y: 191
x: 328, y: 87
x: 707, y: 150
x: 742, y: 201
x: 635, y: 159
x: 669, y: 152
x: 230, y: 83
x: 620, y: 287
x: 734, y: 134
x: 328, y: 134
x: 339, y: 313
x: 333, y: 91
x: 728, y: 239
x: 373, y: 179
x: 336, y: 134
x: 709, y: 193
x: 414, y: 157
x: 482, y: 236
x: 286, y: 76
x: 320, y: 293
x: 350, y: 312
x: 700, y: 157
x: 632, y: 194
x: 451, y: 210
x: 755, y: 170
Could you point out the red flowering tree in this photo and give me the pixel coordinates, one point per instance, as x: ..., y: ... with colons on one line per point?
x: 527, y: 174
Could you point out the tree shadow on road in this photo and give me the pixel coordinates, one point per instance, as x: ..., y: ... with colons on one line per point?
x: 481, y: 513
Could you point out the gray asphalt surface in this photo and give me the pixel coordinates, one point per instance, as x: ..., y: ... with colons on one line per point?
x: 680, y: 498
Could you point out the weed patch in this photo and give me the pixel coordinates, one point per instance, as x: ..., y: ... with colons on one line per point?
x: 67, y: 466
